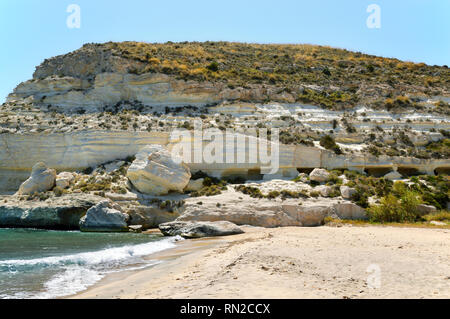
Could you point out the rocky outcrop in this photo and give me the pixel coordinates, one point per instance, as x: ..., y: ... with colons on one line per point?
x: 241, y: 209
x: 262, y: 213
x: 104, y: 217
x: 200, y: 229
x: 319, y: 175
x: 58, y: 213
x: 68, y: 93
x: 42, y: 179
x: 155, y: 172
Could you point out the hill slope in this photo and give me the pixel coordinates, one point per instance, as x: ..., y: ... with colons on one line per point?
x: 323, y: 76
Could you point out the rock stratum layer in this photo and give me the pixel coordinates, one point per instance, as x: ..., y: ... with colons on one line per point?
x: 81, y: 150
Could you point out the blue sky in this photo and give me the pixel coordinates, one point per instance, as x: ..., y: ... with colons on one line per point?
x: 31, y: 31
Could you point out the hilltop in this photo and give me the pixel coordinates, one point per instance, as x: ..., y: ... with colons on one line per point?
x: 323, y: 76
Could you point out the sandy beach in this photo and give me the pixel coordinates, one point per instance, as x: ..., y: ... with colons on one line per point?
x: 322, y: 262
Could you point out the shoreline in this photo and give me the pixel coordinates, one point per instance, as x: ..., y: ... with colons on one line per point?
x: 165, y: 258
x: 322, y: 262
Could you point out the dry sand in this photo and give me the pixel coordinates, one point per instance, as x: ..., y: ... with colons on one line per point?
x: 322, y: 262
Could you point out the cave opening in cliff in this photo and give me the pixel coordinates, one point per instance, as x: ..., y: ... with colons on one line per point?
x: 442, y: 171
x: 254, y: 174
x: 377, y: 171
x: 409, y: 171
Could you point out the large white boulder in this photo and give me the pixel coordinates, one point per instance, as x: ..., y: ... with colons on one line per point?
x: 319, y: 175
x: 42, y: 179
x: 155, y: 172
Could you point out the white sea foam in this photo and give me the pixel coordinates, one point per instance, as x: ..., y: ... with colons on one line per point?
x: 79, y: 271
x: 110, y: 255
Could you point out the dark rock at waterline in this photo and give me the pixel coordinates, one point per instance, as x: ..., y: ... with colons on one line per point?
x: 200, y: 229
x: 56, y: 213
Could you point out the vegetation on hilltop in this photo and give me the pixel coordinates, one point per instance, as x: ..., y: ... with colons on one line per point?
x: 336, y: 77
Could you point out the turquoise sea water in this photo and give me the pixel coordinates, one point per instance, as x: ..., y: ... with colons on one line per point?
x: 49, y: 264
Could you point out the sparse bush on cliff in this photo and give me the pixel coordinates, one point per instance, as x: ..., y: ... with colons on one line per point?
x: 249, y: 190
x: 329, y: 143
x: 213, y: 67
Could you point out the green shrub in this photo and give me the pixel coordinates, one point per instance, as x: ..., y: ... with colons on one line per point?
x: 361, y: 197
x: 212, y: 190
x: 443, y: 215
x: 329, y: 143
x: 314, y: 194
x: 58, y: 191
x: 273, y: 194
x: 214, y: 67
x: 253, y: 192
x: 393, y: 209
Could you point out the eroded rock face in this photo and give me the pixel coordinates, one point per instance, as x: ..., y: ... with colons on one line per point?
x: 200, y: 229
x: 241, y: 209
x: 309, y: 216
x: 155, y: 172
x: 262, y: 214
x: 42, y: 179
x: 319, y: 175
x: 58, y: 213
x: 104, y: 217
x: 69, y: 92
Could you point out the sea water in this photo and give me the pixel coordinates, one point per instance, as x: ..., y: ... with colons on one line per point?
x: 50, y: 264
